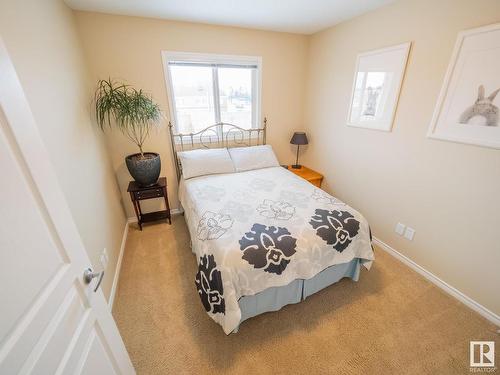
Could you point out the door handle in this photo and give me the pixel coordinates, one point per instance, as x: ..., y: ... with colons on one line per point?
x: 89, y: 275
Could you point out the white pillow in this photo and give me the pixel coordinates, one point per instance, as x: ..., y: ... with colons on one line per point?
x: 254, y: 157
x: 205, y: 161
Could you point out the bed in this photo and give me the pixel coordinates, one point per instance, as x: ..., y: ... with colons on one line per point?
x: 263, y: 237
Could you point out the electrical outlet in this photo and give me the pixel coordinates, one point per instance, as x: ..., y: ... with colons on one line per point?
x: 104, y: 259
x: 409, y: 233
x: 400, y: 228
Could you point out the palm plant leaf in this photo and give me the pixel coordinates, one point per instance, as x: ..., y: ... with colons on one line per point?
x: 132, y: 111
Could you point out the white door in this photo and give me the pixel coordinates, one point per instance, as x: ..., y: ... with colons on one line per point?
x: 51, y: 321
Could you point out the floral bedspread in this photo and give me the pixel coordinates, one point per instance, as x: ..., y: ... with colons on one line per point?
x: 264, y: 228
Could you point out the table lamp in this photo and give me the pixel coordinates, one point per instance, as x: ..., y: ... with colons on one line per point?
x: 298, y: 138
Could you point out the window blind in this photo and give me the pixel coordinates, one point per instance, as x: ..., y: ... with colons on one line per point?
x: 212, y: 65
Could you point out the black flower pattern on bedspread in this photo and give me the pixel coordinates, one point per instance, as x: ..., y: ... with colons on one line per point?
x: 336, y: 228
x: 209, y: 284
x: 270, y: 248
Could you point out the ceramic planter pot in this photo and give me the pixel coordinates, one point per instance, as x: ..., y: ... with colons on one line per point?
x: 145, y: 170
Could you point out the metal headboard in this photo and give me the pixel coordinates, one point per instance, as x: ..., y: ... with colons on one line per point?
x: 218, y: 135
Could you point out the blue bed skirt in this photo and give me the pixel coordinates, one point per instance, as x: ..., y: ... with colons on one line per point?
x: 273, y: 299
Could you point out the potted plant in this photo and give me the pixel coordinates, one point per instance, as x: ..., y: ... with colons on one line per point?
x: 135, y: 114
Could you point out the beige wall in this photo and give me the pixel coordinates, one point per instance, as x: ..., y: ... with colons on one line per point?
x: 42, y: 41
x: 129, y: 48
x: 448, y: 192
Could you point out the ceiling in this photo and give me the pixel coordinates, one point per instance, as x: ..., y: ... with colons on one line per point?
x: 296, y: 16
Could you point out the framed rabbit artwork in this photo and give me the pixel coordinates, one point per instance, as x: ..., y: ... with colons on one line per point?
x: 468, y: 108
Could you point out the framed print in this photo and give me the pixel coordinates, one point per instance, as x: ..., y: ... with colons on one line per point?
x: 467, y: 109
x: 377, y: 83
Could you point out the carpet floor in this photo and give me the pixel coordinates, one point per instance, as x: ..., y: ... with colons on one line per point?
x: 392, y: 321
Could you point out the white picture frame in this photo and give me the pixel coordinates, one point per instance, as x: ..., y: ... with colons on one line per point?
x: 467, y: 110
x: 376, y: 87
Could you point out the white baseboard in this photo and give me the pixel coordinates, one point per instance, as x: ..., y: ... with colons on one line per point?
x: 480, y: 309
x: 173, y: 211
x: 118, y: 267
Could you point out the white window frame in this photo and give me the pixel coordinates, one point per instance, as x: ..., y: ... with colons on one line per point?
x: 210, y: 58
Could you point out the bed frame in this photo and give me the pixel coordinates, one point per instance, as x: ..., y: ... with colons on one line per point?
x: 272, y: 299
x: 217, y: 135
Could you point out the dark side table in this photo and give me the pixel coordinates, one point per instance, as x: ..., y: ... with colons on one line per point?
x: 139, y: 193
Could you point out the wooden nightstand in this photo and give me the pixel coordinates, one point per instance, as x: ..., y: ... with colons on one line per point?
x: 139, y: 193
x: 313, y: 177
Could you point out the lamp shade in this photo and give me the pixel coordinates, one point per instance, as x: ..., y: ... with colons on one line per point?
x: 299, y: 138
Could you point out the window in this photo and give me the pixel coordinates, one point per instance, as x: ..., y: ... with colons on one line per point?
x: 208, y: 89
